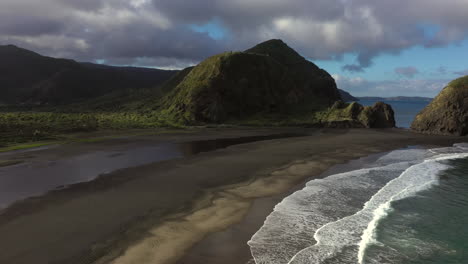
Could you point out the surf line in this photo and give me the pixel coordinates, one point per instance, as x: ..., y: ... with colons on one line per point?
x: 369, y: 235
x: 406, y: 184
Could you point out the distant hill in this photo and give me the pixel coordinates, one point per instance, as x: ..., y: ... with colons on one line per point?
x: 30, y: 78
x: 347, y: 97
x: 397, y: 98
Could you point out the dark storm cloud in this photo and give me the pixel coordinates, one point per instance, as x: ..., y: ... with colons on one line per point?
x: 147, y: 42
x: 129, y: 31
x: 28, y: 26
x: 120, y: 32
x: 88, y: 5
x: 240, y: 14
x: 364, y: 60
x: 29, y: 18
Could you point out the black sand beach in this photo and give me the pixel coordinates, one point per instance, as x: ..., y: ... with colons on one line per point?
x: 156, y: 213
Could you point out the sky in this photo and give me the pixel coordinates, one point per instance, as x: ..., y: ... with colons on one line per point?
x: 371, y: 47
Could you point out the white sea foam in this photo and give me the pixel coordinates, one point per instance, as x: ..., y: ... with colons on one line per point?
x: 335, y: 218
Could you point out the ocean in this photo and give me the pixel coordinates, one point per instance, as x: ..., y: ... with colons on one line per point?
x: 408, y: 206
x: 405, y: 111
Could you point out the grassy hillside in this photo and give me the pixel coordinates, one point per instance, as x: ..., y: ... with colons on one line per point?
x: 447, y: 114
x: 268, y: 80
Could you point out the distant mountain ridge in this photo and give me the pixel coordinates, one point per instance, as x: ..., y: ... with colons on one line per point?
x: 347, y: 97
x: 396, y: 98
x: 28, y: 77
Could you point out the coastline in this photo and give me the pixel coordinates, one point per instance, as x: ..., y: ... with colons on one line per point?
x: 219, y: 247
x: 135, y: 218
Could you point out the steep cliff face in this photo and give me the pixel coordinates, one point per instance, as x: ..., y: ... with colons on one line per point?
x: 447, y: 114
x: 268, y: 79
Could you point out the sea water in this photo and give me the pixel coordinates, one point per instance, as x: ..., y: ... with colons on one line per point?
x: 410, y: 206
x: 405, y: 111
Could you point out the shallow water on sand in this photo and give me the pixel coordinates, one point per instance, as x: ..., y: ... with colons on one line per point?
x: 40, y: 175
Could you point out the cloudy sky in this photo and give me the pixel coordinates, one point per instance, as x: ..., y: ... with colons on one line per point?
x: 372, y: 47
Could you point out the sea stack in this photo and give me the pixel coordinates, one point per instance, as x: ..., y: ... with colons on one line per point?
x: 447, y: 114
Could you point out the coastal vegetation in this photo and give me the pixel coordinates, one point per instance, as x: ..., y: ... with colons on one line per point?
x: 20, y: 127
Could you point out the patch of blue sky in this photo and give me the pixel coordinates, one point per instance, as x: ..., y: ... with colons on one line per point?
x: 430, y: 30
x: 213, y: 28
x: 432, y: 62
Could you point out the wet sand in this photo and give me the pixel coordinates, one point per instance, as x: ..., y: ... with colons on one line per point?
x: 38, y: 172
x: 155, y: 213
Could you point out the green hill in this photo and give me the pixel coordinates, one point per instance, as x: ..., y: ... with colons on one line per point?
x: 269, y: 79
x: 447, y: 114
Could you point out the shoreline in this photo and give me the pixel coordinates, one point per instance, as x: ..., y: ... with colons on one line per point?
x: 128, y: 220
x: 89, y: 137
x: 218, y: 247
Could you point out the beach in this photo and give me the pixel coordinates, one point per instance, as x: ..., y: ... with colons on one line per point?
x: 175, y: 210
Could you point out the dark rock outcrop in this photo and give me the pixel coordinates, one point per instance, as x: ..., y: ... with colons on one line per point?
x: 343, y: 115
x: 447, y: 114
x: 380, y: 115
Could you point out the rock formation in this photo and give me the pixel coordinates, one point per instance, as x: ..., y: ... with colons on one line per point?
x: 343, y: 115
